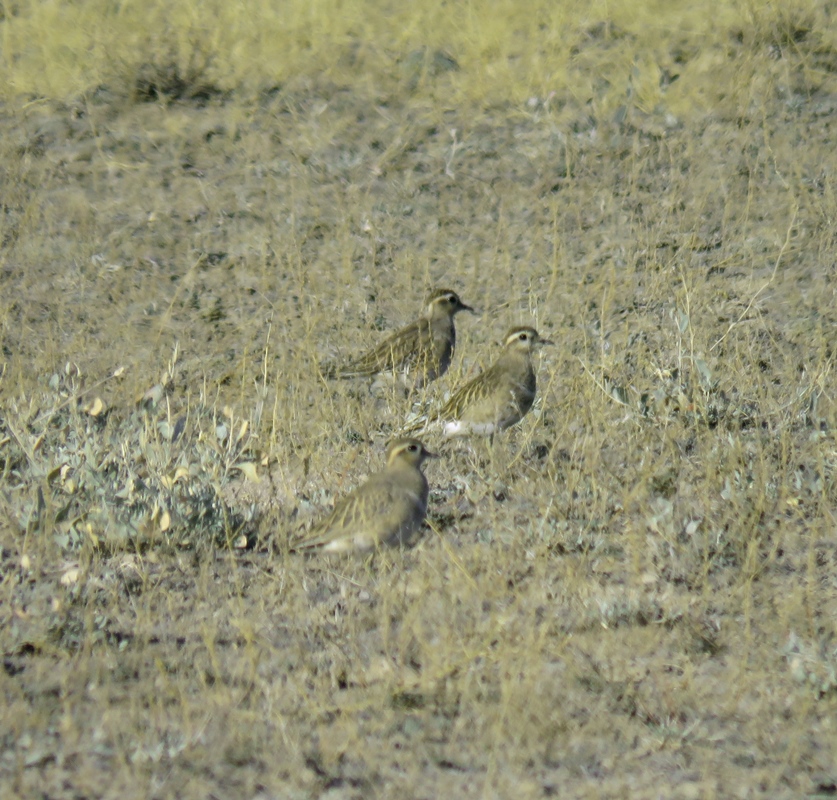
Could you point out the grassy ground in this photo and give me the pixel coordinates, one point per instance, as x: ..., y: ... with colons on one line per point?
x: 632, y: 594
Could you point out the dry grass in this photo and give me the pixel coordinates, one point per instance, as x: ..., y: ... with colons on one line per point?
x: 631, y: 594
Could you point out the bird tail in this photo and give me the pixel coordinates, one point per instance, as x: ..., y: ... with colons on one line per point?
x: 331, y: 370
x: 418, y: 422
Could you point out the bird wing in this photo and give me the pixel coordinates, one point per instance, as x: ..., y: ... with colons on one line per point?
x: 474, y: 393
x: 396, y: 351
x: 362, y: 519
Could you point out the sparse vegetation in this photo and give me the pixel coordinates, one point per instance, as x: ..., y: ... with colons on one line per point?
x: 631, y: 594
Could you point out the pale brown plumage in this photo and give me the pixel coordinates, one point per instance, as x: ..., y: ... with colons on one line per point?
x: 386, y: 510
x: 423, y: 349
x: 499, y: 397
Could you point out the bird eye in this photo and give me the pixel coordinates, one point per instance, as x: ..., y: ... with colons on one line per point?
x: 523, y: 337
x: 412, y: 448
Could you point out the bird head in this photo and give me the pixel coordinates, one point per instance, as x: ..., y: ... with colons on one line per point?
x: 409, y: 452
x: 445, y: 303
x: 524, y: 339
